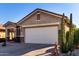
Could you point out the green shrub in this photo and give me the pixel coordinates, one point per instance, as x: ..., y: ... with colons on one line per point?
x: 76, y: 37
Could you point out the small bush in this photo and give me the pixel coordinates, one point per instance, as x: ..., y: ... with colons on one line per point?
x: 2, y: 39
x: 76, y: 37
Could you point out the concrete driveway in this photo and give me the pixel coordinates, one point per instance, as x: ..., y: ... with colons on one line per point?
x: 21, y: 49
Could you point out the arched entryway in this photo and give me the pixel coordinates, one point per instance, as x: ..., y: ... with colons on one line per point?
x: 10, y: 30
x: 10, y: 34
x: 13, y: 32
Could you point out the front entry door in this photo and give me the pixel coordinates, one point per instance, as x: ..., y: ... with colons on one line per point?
x: 11, y: 36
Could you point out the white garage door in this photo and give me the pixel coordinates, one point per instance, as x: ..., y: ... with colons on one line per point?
x: 41, y: 35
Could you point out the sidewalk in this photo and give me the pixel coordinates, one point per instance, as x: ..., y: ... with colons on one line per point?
x: 38, y: 52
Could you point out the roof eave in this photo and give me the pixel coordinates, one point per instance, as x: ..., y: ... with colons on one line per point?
x: 38, y: 9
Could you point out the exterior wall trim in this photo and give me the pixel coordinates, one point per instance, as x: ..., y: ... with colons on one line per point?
x: 37, y: 25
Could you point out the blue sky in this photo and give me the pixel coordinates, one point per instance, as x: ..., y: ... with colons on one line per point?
x: 15, y: 12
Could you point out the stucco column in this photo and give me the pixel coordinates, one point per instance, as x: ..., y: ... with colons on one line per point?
x: 15, y: 33
x: 7, y: 34
x: 22, y: 34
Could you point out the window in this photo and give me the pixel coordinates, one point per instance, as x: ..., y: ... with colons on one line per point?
x: 38, y: 16
x: 11, y: 34
x: 2, y: 34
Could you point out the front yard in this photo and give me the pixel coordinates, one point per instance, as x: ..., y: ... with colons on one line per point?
x: 21, y: 49
x: 18, y: 49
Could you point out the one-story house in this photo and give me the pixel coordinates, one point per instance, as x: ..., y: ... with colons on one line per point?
x: 40, y: 26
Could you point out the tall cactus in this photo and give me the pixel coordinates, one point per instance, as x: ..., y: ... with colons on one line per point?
x: 66, y: 43
x: 71, y: 33
x: 62, y: 35
x: 63, y: 29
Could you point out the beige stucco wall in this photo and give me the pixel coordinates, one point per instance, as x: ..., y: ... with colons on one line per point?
x: 66, y: 28
x: 44, y: 19
x: 10, y: 26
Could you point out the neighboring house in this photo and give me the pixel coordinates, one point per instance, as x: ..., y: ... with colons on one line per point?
x: 2, y: 33
x: 40, y: 26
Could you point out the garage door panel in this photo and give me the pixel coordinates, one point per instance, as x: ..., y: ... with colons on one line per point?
x: 42, y: 35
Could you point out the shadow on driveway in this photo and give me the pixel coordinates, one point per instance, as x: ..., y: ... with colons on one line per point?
x: 18, y: 49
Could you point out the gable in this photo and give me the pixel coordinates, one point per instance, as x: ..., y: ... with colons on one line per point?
x: 40, y: 10
x: 44, y: 19
x: 9, y: 24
